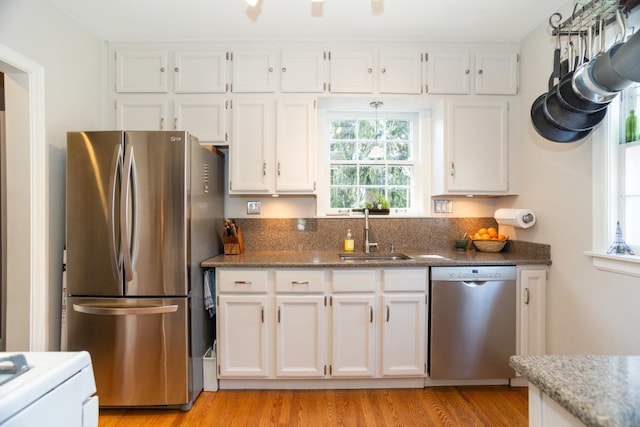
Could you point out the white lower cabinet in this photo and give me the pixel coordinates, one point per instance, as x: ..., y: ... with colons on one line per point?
x: 300, y: 335
x: 275, y: 326
x: 353, y: 335
x: 532, y: 292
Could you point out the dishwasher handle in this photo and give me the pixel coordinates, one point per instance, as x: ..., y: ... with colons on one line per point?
x: 474, y: 284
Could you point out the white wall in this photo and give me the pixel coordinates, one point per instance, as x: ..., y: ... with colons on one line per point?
x: 72, y: 62
x: 589, y: 311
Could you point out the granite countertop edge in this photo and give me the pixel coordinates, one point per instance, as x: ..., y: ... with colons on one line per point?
x: 599, y: 390
x: 331, y: 259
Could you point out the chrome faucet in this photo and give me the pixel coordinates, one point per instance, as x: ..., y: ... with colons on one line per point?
x: 367, y: 245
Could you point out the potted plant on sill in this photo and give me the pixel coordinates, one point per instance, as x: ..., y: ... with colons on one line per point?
x: 378, y: 204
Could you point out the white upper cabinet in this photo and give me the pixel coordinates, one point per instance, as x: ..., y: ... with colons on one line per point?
x: 450, y: 72
x: 295, y: 145
x: 496, y: 74
x: 303, y: 71
x: 253, y: 72
x: 351, y: 71
x: 400, y: 72
x: 470, y: 148
x: 141, y: 71
x: 200, y: 72
x: 141, y: 113
x: 205, y: 116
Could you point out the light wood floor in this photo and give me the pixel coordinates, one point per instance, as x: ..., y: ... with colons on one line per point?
x: 435, y: 406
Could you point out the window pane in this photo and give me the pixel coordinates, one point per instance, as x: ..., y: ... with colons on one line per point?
x: 368, y: 194
x: 398, y: 129
x: 632, y: 224
x: 369, y: 129
x: 398, y: 150
x: 632, y: 171
x: 342, y: 129
x: 341, y: 150
x: 399, y: 175
x: 371, y: 151
x: 343, y: 197
x: 343, y: 175
x: 372, y: 175
x: 399, y: 197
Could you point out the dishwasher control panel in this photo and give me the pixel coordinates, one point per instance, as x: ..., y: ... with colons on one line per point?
x: 473, y: 273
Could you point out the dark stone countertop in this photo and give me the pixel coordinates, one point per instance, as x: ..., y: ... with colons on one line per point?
x: 601, y: 391
x: 425, y: 258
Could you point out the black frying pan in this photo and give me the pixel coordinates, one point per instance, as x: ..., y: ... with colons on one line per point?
x: 568, y: 118
x: 549, y: 130
x: 571, y: 98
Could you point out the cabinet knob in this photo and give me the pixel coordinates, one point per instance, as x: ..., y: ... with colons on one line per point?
x: 383, y: 70
x: 369, y: 70
x: 271, y: 69
x: 162, y: 69
x: 480, y: 71
x: 176, y: 69
x: 284, y: 69
x: 466, y: 71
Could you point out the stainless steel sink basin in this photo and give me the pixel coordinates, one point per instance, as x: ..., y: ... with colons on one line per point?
x: 374, y: 257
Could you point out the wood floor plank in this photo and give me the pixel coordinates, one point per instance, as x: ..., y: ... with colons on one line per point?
x: 433, y: 406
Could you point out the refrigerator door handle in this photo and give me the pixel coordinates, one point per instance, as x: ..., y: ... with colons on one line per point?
x: 114, y: 250
x: 122, y: 311
x: 129, y: 238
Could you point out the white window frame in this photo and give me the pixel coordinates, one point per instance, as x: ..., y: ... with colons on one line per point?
x: 606, y: 170
x: 421, y: 188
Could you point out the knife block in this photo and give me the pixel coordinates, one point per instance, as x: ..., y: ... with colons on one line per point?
x: 233, y: 245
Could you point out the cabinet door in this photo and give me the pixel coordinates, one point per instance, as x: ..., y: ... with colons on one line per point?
x: 242, y: 335
x: 141, y: 71
x: 205, y: 116
x: 403, y: 334
x: 200, y: 72
x: 351, y: 72
x: 302, y: 71
x: 496, y: 74
x: 295, y: 146
x: 251, y: 147
x: 141, y: 113
x: 253, y: 72
x: 400, y: 72
x: 448, y: 73
x: 476, y: 135
x: 300, y: 336
x: 532, y: 287
x: 353, y: 335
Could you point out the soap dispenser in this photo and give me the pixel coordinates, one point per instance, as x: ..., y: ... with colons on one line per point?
x: 348, y: 242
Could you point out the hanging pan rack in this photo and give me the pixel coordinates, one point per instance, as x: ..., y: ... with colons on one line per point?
x: 588, y: 14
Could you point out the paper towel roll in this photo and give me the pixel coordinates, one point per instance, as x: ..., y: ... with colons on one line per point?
x: 523, y: 218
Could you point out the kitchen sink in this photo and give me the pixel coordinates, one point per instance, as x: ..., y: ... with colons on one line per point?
x: 374, y: 257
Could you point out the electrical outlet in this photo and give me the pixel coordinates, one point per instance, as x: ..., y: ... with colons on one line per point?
x: 253, y: 208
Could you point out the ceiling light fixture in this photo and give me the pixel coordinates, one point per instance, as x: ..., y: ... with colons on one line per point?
x: 252, y: 3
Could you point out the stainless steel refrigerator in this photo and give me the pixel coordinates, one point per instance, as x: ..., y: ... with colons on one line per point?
x: 143, y: 210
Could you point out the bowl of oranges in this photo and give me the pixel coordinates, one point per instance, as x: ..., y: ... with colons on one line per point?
x: 488, y: 240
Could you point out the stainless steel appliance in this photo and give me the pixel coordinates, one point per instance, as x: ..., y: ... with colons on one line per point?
x: 473, y: 322
x: 143, y: 210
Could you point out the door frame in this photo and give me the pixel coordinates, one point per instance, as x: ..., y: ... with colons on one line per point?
x: 27, y: 214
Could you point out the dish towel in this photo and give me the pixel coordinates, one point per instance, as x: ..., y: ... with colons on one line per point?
x: 209, y: 290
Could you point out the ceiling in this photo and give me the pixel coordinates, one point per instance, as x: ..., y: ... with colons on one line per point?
x: 428, y: 20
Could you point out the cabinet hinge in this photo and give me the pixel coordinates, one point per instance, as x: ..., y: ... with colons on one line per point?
x: 331, y: 301
x: 324, y: 87
x: 231, y: 87
x: 426, y: 88
x: 329, y: 87
x: 314, y: 186
x: 324, y: 55
x: 426, y: 298
x: 229, y: 56
x: 226, y: 136
x: 315, y: 105
x: 329, y: 55
x: 230, y: 186
x: 517, y: 57
x: 426, y: 56
x: 217, y: 299
x: 325, y: 370
x: 425, y: 368
x: 218, y: 369
x: 508, y: 106
x: 330, y: 369
x: 115, y: 105
x: 325, y: 300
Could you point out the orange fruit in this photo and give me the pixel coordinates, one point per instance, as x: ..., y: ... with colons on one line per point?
x: 502, y: 237
x: 492, y: 232
x: 485, y: 236
x: 482, y: 231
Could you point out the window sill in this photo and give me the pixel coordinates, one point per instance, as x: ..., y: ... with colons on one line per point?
x: 623, y: 264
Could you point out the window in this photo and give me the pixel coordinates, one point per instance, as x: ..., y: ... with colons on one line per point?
x: 369, y: 155
x: 628, y: 172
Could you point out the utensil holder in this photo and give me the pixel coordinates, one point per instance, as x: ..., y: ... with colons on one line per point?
x: 233, y: 245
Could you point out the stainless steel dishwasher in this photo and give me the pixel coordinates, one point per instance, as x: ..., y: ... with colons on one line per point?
x: 472, y: 329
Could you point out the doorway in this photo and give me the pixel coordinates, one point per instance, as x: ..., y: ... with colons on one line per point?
x: 3, y: 209
x: 25, y: 168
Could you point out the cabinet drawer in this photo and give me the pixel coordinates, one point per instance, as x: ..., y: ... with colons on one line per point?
x: 299, y: 281
x: 242, y: 280
x: 354, y: 280
x: 412, y: 280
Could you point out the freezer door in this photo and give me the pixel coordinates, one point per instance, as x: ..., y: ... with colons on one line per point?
x: 94, y: 259
x: 138, y: 348
x: 155, y: 184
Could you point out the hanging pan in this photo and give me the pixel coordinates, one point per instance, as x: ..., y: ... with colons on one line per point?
x: 548, y: 129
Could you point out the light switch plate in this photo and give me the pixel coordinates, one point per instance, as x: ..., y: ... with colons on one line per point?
x: 442, y: 206
x: 253, y: 208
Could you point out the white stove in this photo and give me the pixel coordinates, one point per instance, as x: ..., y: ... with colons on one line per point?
x: 58, y: 389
